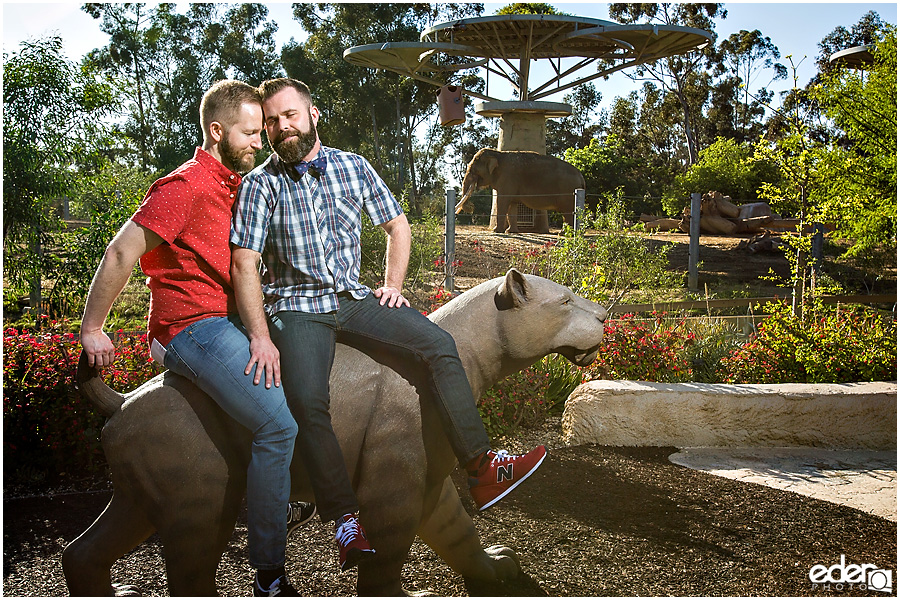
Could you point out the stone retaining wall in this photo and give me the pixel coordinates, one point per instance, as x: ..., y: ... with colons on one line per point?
x: 631, y: 413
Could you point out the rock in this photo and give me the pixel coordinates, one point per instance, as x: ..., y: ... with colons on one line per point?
x: 632, y: 413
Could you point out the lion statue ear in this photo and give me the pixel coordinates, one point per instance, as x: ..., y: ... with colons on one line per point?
x: 512, y: 292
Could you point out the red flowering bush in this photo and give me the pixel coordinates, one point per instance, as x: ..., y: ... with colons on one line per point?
x: 437, y: 298
x: 517, y: 401
x: 47, y: 426
x: 827, y: 345
x: 643, y: 350
x: 523, y: 399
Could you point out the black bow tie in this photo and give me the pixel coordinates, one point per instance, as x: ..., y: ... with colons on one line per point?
x: 318, y: 166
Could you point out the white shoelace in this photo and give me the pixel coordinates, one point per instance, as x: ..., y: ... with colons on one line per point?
x: 501, y: 455
x: 346, y: 531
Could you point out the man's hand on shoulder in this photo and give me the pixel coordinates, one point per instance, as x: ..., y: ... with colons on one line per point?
x: 98, y: 347
x: 391, y: 296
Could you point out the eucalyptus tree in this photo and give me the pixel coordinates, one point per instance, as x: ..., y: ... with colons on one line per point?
x: 51, y: 115
x: 865, y: 32
x: 682, y: 76
x: 163, y: 60
x: 584, y: 124
x: 745, y: 57
x: 375, y: 113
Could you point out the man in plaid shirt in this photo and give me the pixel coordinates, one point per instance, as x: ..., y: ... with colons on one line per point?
x: 301, y: 212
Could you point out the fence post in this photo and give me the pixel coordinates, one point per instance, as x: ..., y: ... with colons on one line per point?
x: 579, y: 209
x: 694, y: 248
x: 449, y: 239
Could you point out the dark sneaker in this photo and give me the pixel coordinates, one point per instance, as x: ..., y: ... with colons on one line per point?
x: 352, y: 542
x: 280, y: 587
x: 299, y: 513
x: 501, y: 474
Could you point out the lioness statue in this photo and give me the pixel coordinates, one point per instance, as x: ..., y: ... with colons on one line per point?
x: 179, y: 463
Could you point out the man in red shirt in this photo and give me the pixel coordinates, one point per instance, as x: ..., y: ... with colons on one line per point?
x: 180, y: 233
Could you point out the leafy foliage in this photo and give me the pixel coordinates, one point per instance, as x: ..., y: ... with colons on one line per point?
x: 826, y: 345
x: 861, y: 182
x: 108, y: 199
x: 725, y: 166
x: 51, y: 111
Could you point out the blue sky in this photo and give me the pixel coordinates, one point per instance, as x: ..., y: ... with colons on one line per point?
x: 795, y: 28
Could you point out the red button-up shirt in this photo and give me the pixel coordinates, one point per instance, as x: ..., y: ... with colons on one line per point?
x: 189, y: 276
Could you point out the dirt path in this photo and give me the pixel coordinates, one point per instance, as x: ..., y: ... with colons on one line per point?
x: 594, y: 521
x: 724, y: 265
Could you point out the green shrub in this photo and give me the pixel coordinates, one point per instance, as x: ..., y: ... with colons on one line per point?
x: 426, y: 246
x: 598, y: 266
x: 524, y: 399
x: 827, y: 345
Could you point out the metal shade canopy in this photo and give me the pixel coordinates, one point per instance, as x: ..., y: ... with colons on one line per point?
x: 857, y: 57
x: 498, y: 42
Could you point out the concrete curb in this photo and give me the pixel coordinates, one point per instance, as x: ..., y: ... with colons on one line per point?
x: 630, y: 413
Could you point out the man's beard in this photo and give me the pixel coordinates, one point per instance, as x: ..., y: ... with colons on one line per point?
x: 239, y: 161
x: 294, y: 151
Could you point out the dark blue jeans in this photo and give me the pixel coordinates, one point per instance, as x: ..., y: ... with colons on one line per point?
x: 400, y: 338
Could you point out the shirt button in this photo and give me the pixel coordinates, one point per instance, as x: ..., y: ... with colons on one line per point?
x: 231, y: 196
x: 231, y: 177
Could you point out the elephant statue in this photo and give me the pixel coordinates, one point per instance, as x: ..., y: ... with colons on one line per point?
x: 518, y: 176
x: 178, y: 463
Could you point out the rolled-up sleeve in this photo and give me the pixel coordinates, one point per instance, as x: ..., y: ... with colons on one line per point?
x: 379, y: 202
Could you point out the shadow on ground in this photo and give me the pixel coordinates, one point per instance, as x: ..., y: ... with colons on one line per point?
x: 594, y: 521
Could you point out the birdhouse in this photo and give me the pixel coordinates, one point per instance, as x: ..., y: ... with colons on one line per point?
x: 450, y: 105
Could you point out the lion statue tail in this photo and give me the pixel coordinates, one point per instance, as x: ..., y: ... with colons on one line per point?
x: 91, y: 386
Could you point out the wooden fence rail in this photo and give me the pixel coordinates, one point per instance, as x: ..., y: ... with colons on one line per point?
x: 746, y: 303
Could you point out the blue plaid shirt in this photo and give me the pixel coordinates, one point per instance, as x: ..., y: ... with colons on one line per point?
x: 308, y: 231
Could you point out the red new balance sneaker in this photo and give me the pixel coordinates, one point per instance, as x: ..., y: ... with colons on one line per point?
x: 500, y: 473
x: 352, y: 542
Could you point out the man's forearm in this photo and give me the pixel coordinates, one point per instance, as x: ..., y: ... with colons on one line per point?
x: 248, y: 292
x: 115, y: 269
x: 399, y: 241
x: 110, y: 279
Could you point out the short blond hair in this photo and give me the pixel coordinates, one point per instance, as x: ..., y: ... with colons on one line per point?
x: 222, y: 102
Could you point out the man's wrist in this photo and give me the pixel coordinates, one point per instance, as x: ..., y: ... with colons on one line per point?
x: 90, y: 330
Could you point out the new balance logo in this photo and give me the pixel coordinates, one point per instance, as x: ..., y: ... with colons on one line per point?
x: 504, y: 473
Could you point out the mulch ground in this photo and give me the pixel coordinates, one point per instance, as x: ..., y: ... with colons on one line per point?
x: 594, y: 521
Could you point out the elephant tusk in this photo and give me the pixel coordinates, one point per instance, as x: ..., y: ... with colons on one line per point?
x: 463, y: 200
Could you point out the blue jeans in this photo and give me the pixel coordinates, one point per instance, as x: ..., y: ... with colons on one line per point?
x: 213, y: 354
x: 400, y: 338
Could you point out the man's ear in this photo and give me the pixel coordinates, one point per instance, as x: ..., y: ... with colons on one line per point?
x: 314, y: 111
x: 216, y: 131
